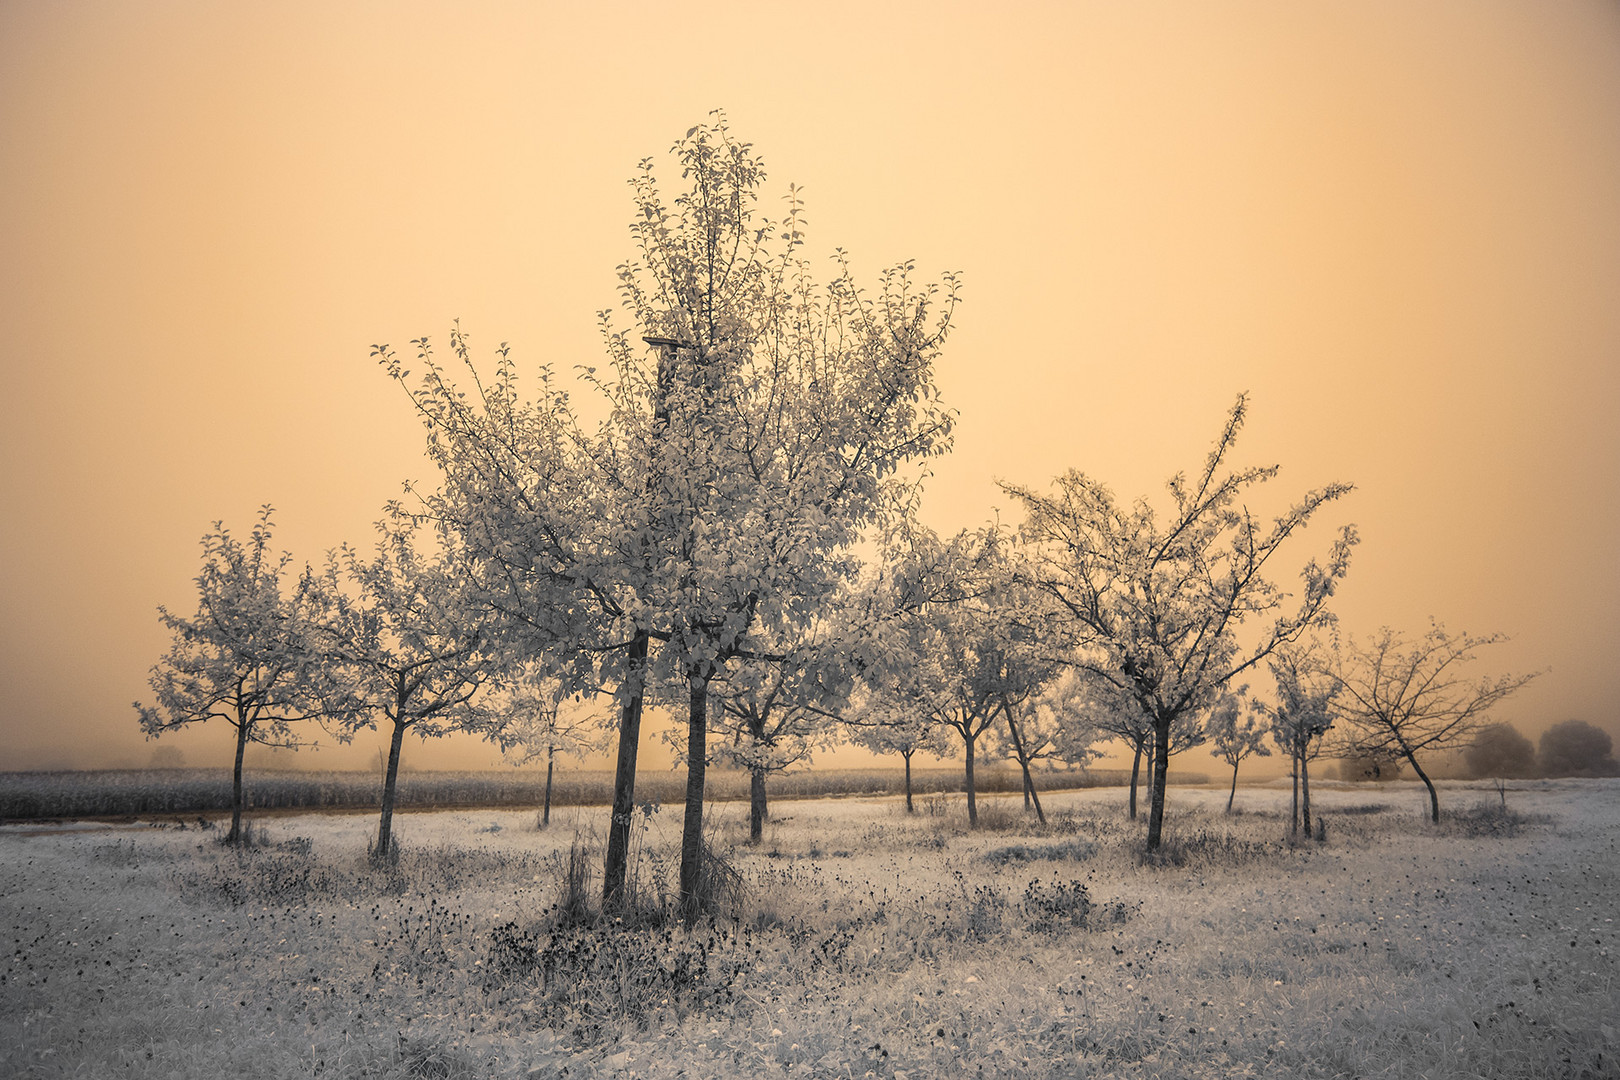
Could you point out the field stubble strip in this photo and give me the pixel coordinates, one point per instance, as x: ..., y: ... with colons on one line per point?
x: 33, y: 796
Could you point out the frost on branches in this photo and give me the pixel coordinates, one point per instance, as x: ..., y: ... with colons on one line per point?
x: 1046, y: 722
x: 958, y: 649
x: 771, y: 716
x: 406, y: 648
x: 247, y: 656
x: 757, y: 423
x: 1302, y: 716
x: 1163, y: 608
x: 1400, y: 698
x: 1234, y: 727
x: 542, y: 720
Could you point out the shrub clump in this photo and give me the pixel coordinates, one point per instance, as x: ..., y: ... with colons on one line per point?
x: 1077, y: 850
x: 593, y: 978
x: 1209, y: 849
x: 1067, y: 905
x: 1485, y: 819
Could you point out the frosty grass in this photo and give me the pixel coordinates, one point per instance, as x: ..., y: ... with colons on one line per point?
x: 869, y: 944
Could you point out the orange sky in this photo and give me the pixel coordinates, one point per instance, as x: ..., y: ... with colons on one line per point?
x: 1397, y: 225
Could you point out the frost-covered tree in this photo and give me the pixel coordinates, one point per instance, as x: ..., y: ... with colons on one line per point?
x: 792, y: 412
x: 247, y: 656
x: 552, y: 526
x: 757, y: 424
x: 894, y: 726
x: 1117, y: 715
x: 1402, y: 699
x: 770, y: 716
x: 1235, y: 729
x: 1302, y: 717
x: 1164, y: 609
x: 1050, y: 723
x: 956, y: 650
x: 408, y: 649
x: 541, y: 720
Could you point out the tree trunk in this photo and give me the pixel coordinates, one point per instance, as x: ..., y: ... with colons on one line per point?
x: 1305, y: 793
x: 385, y: 830
x: 1434, y: 798
x: 1293, y: 822
x: 1233, y: 796
x: 1023, y: 763
x: 624, y: 777
x: 697, y: 749
x: 907, y: 755
x: 551, y: 761
x: 1040, y: 815
x: 756, y: 806
x: 1161, y: 769
x: 234, y: 837
x: 973, y: 803
x: 1136, y: 772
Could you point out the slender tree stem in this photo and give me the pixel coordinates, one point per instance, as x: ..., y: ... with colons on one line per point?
x: 756, y: 805
x: 1161, y: 770
x: 907, y: 755
x: 385, y: 830
x: 697, y: 748
x: 624, y: 777
x: 1136, y: 772
x: 972, y: 796
x: 235, y: 835
x: 551, y: 761
x: 1305, y: 792
x: 1434, y: 797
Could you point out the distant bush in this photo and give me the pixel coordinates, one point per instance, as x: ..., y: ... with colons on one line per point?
x: 1576, y: 748
x: 1498, y: 750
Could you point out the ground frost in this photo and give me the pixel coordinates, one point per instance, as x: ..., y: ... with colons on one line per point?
x: 865, y: 943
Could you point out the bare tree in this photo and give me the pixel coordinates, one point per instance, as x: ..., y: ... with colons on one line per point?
x: 1158, y: 606
x: 1402, y: 699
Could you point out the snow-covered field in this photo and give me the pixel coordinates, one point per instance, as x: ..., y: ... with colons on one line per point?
x: 870, y: 944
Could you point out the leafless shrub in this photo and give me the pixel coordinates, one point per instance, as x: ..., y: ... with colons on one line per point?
x: 1484, y: 819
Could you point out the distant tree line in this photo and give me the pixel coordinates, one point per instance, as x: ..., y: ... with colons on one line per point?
x: 1572, y: 748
